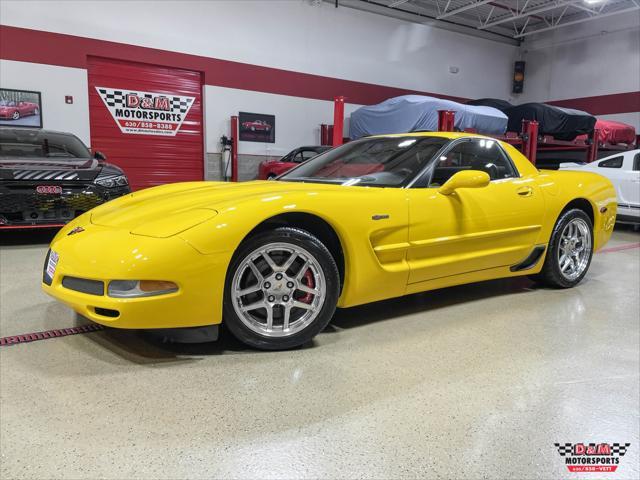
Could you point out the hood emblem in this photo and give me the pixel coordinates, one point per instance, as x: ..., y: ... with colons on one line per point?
x: 76, y: 230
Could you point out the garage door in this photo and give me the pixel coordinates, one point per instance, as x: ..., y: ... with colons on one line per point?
x: 147, y: 120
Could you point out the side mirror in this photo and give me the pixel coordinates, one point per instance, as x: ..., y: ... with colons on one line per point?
x: 465, y: 179
x: 100, y: 156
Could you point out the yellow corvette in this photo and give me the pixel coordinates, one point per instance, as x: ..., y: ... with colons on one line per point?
x: 373, y: 219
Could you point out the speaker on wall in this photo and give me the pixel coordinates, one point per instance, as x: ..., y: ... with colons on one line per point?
x: 518, y: 77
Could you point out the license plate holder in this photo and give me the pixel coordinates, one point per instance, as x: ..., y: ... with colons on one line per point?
x: 52, y: 263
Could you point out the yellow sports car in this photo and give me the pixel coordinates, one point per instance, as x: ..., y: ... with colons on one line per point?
x: 373, y: 219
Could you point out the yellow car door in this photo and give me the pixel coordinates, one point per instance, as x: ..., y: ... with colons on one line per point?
x: 472, y: 229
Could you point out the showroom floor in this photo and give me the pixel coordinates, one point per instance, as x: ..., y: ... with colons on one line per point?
x: 467, y: 382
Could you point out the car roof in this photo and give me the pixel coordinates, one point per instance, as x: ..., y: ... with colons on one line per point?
x: 34, y: 130
x: 449, y: 135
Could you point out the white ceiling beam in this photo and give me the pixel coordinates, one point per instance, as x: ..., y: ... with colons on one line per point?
x: 456, y: 11
x: 397, y: 3
x: 534, y: 11
x: 573, y: 22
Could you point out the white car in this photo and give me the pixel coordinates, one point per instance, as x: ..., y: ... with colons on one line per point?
x: 623, y: 169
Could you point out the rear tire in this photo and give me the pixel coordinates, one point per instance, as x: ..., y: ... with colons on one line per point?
x: 569, y: 252
x: 281, y: 290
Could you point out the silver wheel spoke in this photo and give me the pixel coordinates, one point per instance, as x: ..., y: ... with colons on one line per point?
x: 269, y: 260
x: 253, y: 306
x: 289, y: 262
x: 286, y: 317
x: 269, y: 317
x: 255, y: 270
x: 302, y: 270
x: 305, y: 289
x: 249, y: 290
x: 305, y: 306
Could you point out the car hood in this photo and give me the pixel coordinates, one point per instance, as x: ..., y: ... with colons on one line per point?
x: 170, y: 209
x: 49, y: 169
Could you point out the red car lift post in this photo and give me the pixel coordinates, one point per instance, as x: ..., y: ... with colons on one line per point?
x: 338, y: 120
x: 530, y: 140
x: 446, y: 120
x: 234, y: 148
x: 592, y: 149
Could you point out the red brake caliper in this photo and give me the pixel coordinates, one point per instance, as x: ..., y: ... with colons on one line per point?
x: 308, y: 276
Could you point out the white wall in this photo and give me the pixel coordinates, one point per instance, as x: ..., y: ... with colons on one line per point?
x: 593, y: 58
x: 293, y: 35
x: 54, y: 83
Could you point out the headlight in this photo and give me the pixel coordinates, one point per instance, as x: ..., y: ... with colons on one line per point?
x: 140, y: 288
x: 110, y: 182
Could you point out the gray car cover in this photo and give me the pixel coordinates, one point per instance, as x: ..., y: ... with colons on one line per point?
x: 409, y: 113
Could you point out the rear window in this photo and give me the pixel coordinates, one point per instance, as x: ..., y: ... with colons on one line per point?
x: 615, y: 162
x: 40, y: 144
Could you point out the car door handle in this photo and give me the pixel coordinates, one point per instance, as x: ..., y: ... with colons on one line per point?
x: 525, y: 191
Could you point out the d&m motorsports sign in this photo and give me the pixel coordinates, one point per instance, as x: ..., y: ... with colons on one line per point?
x: 146, y: 113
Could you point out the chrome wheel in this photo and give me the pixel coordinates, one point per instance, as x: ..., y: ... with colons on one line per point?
x: 278, y: 289
x: 16, y: 115
x: 574, y: 250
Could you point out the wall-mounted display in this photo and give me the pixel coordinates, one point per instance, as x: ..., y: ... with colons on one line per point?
x: 20, y: 108
x: 257, y: 127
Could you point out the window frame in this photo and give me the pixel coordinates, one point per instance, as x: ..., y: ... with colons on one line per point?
x: 617, y: 157
x: 635, y: 163
x: 428, y: 170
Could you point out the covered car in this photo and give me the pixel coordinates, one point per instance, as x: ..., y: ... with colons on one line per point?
x: 561, y: 123
x: 614, y: 133
x: 411, y: 113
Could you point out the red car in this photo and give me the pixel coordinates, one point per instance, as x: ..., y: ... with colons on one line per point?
x: 10, y: 110
x: 256, y: 126
x: 270, y: 169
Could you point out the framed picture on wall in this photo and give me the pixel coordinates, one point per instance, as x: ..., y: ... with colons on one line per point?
x: 20, y: 108
x: 257, y: 127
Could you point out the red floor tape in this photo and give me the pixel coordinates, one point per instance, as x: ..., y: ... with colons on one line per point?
x: 61, y: 332
x: 619, y: 248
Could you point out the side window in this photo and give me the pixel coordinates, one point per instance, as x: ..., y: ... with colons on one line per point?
x: 482, y: 154
x: 298, y: 157
x: 636, y: 162
x: 615, y: 162
x: 307, y: 154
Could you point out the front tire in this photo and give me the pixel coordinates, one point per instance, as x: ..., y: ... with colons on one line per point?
x: 569, y: 252
x: 281, y: 290
x: 16, y: 115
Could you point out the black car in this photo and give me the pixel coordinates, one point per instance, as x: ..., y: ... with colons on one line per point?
x: 47, y: 178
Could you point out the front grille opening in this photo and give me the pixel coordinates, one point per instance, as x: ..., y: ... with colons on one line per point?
x: 106, y: 312
x: 83, y: 285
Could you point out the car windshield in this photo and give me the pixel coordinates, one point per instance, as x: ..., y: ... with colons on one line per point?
x: 40, y: 144
x: 374, y: 162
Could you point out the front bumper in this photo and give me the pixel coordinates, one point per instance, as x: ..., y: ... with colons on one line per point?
x: 101, y: 254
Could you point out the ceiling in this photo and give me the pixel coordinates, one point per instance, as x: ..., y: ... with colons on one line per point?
x: 507, y: 19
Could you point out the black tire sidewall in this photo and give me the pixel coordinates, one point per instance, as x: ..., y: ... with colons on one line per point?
x: 315, y: 247
x: 551, y: 269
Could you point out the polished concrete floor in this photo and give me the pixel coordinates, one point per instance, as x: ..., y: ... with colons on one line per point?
x: 469, y: 382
